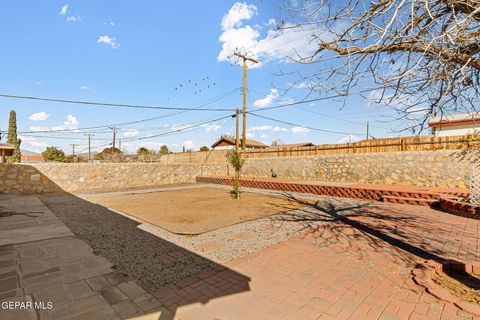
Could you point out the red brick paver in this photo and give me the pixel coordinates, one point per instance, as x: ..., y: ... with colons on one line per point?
x: 356, y: 266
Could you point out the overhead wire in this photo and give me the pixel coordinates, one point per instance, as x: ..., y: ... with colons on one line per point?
x: 303, y: 126
x: 106, y: 104
x: 171, y: 132
x: 198, y: 107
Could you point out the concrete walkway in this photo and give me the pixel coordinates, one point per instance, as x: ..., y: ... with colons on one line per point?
x: 51, y: 274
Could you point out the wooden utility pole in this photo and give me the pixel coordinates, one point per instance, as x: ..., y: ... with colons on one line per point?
x: 114, y: 135
x: 89, y: 135
x: 73, y: 150
x: 236, y: 128
x: 368, y: 133
x: 244, y: 111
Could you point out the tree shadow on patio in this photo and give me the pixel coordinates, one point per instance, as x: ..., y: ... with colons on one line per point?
x: 362, y: 227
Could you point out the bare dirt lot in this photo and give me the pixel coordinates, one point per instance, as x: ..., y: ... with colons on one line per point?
x: 197, y: 210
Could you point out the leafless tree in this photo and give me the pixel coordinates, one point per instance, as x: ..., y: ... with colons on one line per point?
x: 420, y: 57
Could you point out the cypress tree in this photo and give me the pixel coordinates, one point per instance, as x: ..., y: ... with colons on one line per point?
x: 12, y: 128
x: 12, y: 137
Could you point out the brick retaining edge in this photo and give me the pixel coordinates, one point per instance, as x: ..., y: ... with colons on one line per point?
x: 460, y: 208
x: 426, y: 271
x: 413, y: 197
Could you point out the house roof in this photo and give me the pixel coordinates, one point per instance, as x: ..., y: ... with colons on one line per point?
x: 7, y: 146
x: 248, y: 142
x: 292, y: 145
x: 33, y: 158
x: 462, y: 119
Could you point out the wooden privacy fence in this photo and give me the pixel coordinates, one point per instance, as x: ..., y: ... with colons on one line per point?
x: 420, y: 143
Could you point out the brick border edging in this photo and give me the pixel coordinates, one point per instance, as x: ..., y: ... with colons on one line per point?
x: 424, y: 273
x: 460, y: 208
x: 403, y: 196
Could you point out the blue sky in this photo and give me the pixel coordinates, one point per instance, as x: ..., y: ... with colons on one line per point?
x: 153, y: 53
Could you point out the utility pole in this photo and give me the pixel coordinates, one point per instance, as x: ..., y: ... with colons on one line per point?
x: 73, y: 150
x: 114, y: 135
x: 368, y: 133
x: 244, y: 111
x: 89, y: 135
x: 236, y: 128
x: 120, y: 144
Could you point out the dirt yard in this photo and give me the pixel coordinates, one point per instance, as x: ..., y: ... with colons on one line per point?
x: 463, y: 285
x: 196, y: 211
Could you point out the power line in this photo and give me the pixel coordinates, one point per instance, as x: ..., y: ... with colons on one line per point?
x: 302, y: 102
x: 105, y: 104
x: 179, y: 130
x: 340, y: 119
x: 197, y: 107
x: 341, y: 95
x: 176, y: 131
x: 299, y: 125
x: 64, y: 137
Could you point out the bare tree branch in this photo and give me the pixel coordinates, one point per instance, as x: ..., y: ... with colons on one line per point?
x: 424, y: 54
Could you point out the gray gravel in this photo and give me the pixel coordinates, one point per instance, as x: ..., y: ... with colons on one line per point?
x: 241, y: 239
x: 149, y: 260
x: 155, y: 257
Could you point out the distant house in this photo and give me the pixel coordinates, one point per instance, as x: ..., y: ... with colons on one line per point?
x: 455, y: 125
x: 291, y: 146
x: 6, y: 150
x: 226, y: 143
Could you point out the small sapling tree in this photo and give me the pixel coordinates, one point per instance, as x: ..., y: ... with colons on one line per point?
x: 235, y: 159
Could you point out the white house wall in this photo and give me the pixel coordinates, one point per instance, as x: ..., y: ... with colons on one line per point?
x: 457, y: 131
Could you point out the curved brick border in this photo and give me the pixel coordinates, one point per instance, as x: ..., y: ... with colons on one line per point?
x: 424, y: 272
x: 460, y: 208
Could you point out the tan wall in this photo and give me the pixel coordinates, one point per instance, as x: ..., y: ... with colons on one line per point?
x: 438, y: 168
x: 18, y: 178
x: 199, y: 157
x: 443, y: 168
x: 81, y: 177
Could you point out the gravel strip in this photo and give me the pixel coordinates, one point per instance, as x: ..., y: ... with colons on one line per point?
x: 239, y: 240
x: 155, y: 257
x: 149, y: 260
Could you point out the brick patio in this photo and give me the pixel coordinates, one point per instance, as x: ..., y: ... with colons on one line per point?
x: 355, y: 265
x: 358, y: 266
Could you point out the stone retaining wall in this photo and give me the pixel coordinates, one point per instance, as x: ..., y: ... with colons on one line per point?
x: 443, y: 168
x: 433, y: 169
x: 15, y: 179
x: 85, y: 177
